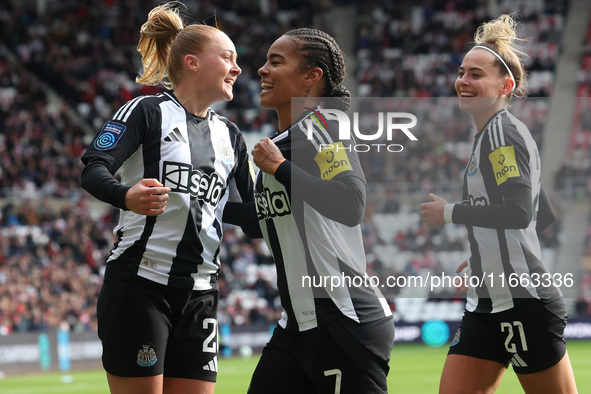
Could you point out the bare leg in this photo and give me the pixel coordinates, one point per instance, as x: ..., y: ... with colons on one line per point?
x: 145, y: 385
x: 193, y: 386
x: 470, y: 375
x: 558, y: 379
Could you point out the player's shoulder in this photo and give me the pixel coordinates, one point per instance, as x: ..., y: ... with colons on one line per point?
x: 225, y: 121
x: 511, y: 122
x: 515, y: 125
x: 506, y: 129
x: 317, y: 129
x: 143, y: 104
x: 150, y: 101
x: 516, y: 131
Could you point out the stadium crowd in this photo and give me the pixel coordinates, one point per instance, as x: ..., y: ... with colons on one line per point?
x: 52, y: 255
x: 575, y: 172
x: 583, y: 305
x: 409, y: 51
x: 40, y: 144
x: 87, y: 50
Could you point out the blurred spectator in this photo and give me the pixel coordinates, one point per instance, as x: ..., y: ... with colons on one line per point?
x: 51, y: 257
x: 48, y: 271
x: 414, y: 49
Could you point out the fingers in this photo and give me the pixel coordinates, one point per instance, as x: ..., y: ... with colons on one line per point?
x: 423, y: 208
x: 432, y: 211
x: 267, y: 156
x: 459, y: 270
x: 147, y: 197
x: 462, y: 266
x: 155, y: 187
x: 429, y: 214
x: 262, y: 148
x: 150, y: 182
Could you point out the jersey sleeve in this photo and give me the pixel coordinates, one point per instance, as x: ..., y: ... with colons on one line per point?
x: 327, y: 175
x: 97, y: 180
x: 121, y: 136
x: 244, y: 173
x: 509, y: 156
x: 509, y: 161
x: 341, y: 199
x: 243, y: 215
x: 240, y: 209
x: 514, y: 212
x: 546, y: 215
x: 117, y: 140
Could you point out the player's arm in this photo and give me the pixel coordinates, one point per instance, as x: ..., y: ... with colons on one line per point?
x: 99, y: 180
x: 515, y: 212
x: 546, y: 215
x: 243, y: 214
x: 113, y: 145
x: 510, y: 169
x: 240, y: 209
x: 341, y: 199
x: 147, y: 197
x: 117, y: 140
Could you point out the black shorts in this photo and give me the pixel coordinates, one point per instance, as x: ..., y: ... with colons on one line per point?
x: 530, y: 336
x: 338, y: 357
x: 149, y: 329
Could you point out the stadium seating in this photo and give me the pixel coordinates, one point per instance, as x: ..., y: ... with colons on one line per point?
x: 63, y: 72
x: 575, y: 172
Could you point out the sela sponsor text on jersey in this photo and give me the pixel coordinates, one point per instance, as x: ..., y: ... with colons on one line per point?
x: 272, y: 204
x: 181, y: 178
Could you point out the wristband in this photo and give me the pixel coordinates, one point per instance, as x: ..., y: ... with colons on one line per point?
x: 448, y: 213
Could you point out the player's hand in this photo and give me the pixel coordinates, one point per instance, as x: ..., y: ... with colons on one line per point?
x: 432, y: 212
x: 464, y: 287
x: 147, y: 197
x: 267, y: 156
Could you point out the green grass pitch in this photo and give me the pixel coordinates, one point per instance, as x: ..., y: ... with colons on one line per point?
x: 414, y: 369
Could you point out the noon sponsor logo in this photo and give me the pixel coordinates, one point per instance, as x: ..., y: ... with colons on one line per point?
x: 504, y: 164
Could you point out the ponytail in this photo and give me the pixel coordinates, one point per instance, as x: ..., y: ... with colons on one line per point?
x: 499, y: 36
x: 164, y: 43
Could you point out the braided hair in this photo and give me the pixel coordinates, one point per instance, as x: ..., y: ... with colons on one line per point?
x: 320, y: 49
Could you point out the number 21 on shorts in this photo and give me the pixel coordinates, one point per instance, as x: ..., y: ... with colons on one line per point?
x: 510, y: 346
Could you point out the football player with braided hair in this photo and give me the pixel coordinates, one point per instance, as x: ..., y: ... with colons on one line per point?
x: 310, y: 200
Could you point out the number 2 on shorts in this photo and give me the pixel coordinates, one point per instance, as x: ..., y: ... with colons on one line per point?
x: 209, y: 344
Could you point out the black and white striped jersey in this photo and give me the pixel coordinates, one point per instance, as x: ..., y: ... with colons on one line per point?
x: 205, y: 163
x: 504, y: 154
x: 302, y: 216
